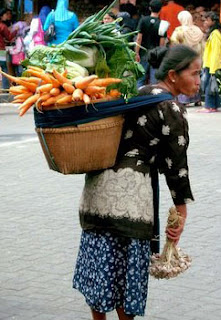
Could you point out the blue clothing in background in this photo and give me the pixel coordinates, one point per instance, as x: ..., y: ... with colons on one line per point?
x: 45, y: 10
x: 62, y: 28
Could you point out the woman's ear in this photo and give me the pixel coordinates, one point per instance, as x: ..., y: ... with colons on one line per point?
x: 172, y: 76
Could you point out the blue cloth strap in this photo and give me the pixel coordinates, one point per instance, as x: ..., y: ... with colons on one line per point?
x: 83, y: 114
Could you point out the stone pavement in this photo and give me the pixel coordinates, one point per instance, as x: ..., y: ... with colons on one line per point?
x: 39, y: 234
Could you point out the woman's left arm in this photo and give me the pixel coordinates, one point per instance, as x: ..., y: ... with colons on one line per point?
x: 173, y: 160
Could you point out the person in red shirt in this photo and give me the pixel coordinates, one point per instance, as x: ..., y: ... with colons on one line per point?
x: 169, y: 13
x: 5, y: 35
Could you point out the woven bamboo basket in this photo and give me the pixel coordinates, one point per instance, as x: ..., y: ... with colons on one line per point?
x: 87, y: 147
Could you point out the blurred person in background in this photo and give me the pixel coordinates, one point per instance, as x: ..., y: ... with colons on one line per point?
x: 109, y: 17
x: 35, y: 35
x: 45, y: 10
x: 17, y: 51
x: 190, y: 35
x: 149, y: 37
x: 5, y: 38
x: 169, y: 12
x: 65, y: 21
x: 211, y: 63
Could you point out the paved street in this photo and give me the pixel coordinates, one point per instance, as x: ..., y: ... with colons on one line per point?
x: 39, y: 230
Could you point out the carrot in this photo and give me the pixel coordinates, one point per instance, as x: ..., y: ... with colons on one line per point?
x: 100, y: 95
x: 86, y: 99
x: 68, y: 88
x: 114, y: 93
x: 83, y: 83
x: 55, y: 82
x: 91, y: 90
x: 60, y: 77
x: 32, y: 79
x: 105, y: 82
x: 28, y: 103
x: 45, y: 96
x: 36, y: 68
x: 64, y: 73
x: 55, y: 91
x: 44, y: 88
x: 17, y: 90
x: 41, y: 75
x: 24, y: 96
x: 53, y: 100
x: 77, y: 95
x: 29, y: 86
x: 65, y: 99
x: 18, y: 101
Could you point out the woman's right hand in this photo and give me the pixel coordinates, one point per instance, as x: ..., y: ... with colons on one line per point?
x: 175, y: 233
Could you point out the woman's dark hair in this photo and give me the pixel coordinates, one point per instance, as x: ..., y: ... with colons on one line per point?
x: 3, y: 11
x: 214, y: 17
x: 177, y: 58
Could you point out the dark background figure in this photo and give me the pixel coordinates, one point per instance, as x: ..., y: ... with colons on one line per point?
x: 45, y: 10
x: 148, y: 37
x: 169, y: 13
x: 65, y: 21
x: 6, y: 38
x: 212, y: 62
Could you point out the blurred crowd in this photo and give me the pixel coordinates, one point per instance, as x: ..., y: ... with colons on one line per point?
x: 157, y: 23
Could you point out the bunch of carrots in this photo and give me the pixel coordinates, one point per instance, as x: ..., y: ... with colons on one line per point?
x: 45, y: 89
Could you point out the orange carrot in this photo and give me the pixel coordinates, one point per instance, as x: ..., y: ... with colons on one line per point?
x: 17, y: 90
x: 60, y: 77
x: 105, y: 82
x: 28, y: 103
x: 68, y: 88
x: 35, y: 68
x: 64, y: 73
x: 55, y: 82
x: 53, y: 100
x: 77, y: 95
x: 91, y: 90
x: 40, y: 74
x: 65, y: 99
x: 86, y: 99
x: 114, y: 93
x: 45, y: 96
x: 32, y: 79
x: 24, y: 95
x: 29, y: 86
x: 44, y: 88
x: 83, y: 83
x: 55, y: 91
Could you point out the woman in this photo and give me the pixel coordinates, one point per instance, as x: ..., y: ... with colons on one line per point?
x: 5, y: 37
x: 109, y: 17
x: 64, y: 20
x: 211, y: 62
x: 117, y: 204
x: 44, y: 12
x: 18, y: 50
x: 192, y: 36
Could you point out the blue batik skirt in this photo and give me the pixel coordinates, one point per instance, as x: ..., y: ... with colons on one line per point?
x: 112, y: 272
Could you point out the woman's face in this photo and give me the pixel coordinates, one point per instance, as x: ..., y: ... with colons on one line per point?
x: 107, y: 19
x: 188, y: 81
x: 4, y: 17
x: 208, y: 22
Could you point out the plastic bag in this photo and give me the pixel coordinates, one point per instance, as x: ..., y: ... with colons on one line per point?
x: 50, y: 33
x: 213, y: 85
x: 203, y: 80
